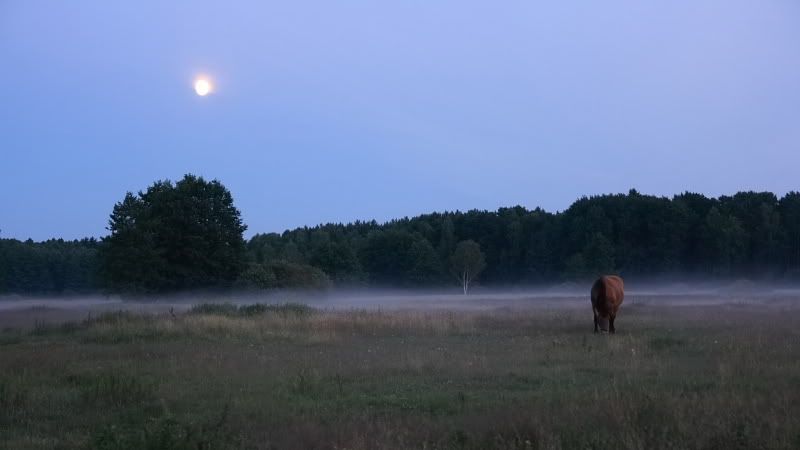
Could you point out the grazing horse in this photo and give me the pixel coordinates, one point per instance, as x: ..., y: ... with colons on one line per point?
x: 607, y: 295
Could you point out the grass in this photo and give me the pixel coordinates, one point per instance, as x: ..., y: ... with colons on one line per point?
x: 264, y: 376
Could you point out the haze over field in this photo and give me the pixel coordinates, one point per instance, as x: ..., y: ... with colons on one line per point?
x: 340, y: 111
x: 26, y: 312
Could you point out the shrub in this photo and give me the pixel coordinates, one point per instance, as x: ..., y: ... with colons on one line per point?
x: 221, y: 309
x: 256, y: 309
x: 283, y: 274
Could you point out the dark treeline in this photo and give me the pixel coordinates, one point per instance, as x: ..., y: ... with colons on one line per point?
x: 53, y: 266
x: 188, y: 235
x: 749, y: 234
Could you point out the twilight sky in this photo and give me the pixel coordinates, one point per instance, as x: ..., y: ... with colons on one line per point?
x: 343, y: 110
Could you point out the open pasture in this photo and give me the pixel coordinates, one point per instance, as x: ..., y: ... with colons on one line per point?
x: 519, y: 375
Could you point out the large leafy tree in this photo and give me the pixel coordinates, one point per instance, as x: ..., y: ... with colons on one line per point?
x: 185, y: 235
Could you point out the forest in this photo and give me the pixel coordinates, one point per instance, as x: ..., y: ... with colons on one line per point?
x: 189, y: 235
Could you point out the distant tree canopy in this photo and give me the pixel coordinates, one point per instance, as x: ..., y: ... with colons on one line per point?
x: 189, y: 235
x: 50, y: 267
x: 173, y: 237
x: 750, y: 234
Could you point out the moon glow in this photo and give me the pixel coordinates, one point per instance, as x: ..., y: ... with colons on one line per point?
x: 202, y: 86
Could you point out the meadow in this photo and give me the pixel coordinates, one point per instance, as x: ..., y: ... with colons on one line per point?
x: 220, y: 376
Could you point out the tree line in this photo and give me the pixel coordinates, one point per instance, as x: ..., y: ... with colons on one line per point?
x: 54, y: 266
x: 189, y: 235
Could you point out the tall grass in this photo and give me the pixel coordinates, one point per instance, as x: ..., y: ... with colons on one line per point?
x: 288, y: 376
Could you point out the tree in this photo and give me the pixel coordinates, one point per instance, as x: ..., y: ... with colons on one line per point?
x: 725, y: 241
x: 398, y: 257
x: 790, y: 212
x: 575, y: 267
x: 425, y: 267
x: 599, y: 254
x: 447, y: 238
x: 467, y: 262
x: 173, y: 236
x: 185, y: 235
x: 338, y: 261
x: 54, y: 266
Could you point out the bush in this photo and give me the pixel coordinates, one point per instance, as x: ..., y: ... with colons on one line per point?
x: 256, y: 309
x: 112, y: 317
x: 222, y: 309
x: 283, y: 274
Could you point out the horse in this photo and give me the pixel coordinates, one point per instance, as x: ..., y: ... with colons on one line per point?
x: 607, y: 295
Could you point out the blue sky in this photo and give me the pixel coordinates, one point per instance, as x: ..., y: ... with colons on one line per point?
x: 343, y: 110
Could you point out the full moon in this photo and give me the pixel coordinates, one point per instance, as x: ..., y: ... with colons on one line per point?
x: 202, y: 86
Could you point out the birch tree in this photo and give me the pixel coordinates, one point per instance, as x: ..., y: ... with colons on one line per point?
x: 467, y: 262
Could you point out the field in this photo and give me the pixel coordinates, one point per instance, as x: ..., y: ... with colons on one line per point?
x: 717, y: 373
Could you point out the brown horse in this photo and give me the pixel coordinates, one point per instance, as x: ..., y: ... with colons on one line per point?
x: 607, y: 295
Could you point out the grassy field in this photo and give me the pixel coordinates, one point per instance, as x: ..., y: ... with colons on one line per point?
x: 705, y: 377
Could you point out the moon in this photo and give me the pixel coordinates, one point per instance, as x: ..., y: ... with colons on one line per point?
x: 202, y: 87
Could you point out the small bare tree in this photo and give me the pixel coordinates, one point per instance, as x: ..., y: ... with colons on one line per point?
x: 467, y: 262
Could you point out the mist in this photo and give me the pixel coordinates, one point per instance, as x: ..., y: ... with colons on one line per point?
x: 31, y: 310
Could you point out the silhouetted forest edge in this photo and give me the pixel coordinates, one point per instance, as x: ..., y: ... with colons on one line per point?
x: 188, y: 236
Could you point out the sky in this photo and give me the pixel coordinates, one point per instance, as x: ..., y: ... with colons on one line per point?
x: 333, y: 111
